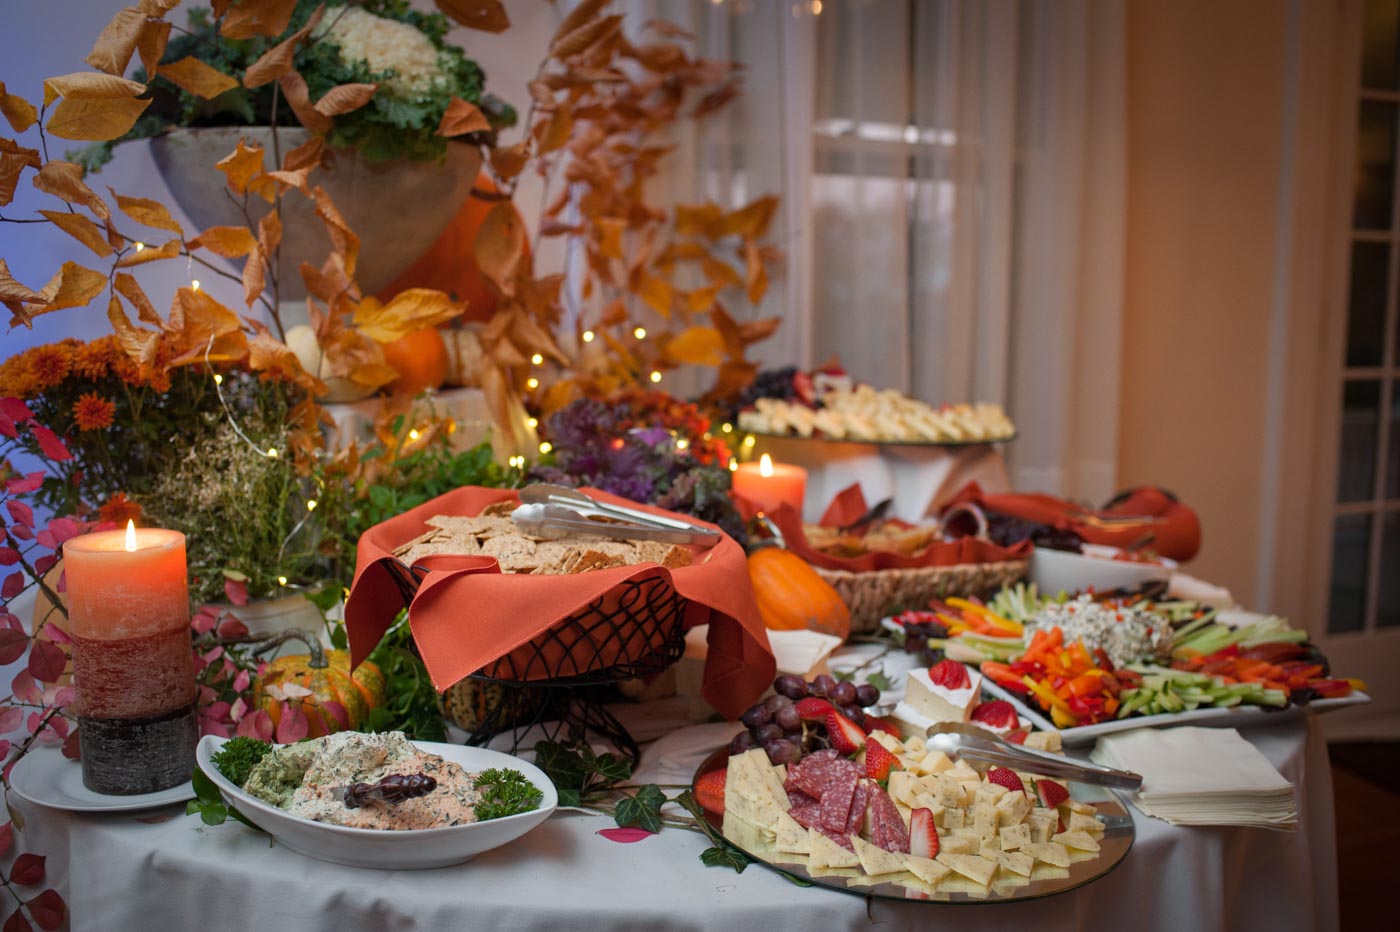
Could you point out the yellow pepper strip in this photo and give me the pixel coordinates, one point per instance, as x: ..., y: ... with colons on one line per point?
x: 1096, y: 671
x: 1047, y: 694
x: 953, y: 624
x: 1357, y: 684
x: 1062, y: 719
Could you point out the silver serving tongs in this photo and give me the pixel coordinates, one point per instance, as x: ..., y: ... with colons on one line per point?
x: 558, y: 511
x: 968, y: 741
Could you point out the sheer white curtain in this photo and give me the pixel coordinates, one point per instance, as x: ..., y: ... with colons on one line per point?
x: 952, y: 176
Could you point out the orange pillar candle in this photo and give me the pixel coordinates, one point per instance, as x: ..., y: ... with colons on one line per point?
x: 133, y: 666
x: 768, y: 484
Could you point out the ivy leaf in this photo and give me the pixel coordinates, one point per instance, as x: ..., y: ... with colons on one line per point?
x: 725, y: 857
x: 570, y: 798
x: 642, y: 810
x: 878, y: 680
x: 562, y: 765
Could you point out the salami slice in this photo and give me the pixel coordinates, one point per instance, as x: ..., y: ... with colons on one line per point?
x: 856, y: 817
x: 887, y: 828
x: 807, y: 814
x: 798, y: 798
x: 836, y: 802
x: 813, y: 775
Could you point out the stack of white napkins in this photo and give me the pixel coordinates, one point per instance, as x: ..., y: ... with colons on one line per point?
x: 1201, y: 776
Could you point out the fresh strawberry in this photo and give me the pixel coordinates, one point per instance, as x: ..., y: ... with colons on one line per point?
x: 845, y: 735
x: 1018, y: 736
x: 923, y: 835
x: 709, y: 791
x: 997, y: 714
x: 1050, y: 793
x: 949, y: 674
x: 802, y: 386
x: 874, y: 724
x: 1005, y: 776
x: 812, y: 708
x: 879, y: 761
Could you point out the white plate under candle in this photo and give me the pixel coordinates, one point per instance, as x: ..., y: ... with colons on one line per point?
x: 46, y: 777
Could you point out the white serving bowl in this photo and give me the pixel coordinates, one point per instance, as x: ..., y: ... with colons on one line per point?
x: 1055, y: 571
x: 414, y: 849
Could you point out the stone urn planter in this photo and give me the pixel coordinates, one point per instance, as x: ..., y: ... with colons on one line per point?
x: 398, y: 208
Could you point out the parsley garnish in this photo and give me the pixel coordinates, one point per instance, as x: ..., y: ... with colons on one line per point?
x: 505, y: 793
x: 237, y: 758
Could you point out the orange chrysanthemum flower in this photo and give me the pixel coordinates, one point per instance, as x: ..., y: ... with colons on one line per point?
x: 16, y: 380
x: 93, y: 412
x: 50, y: 364
x: 119, y: 510
x: 93, y: 360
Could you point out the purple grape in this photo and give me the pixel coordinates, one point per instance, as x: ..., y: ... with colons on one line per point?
x: 769, y: 732
x: 782, y: 751
x: 854, y: 713
x: 867, y: 695
x: 788, y: 720
x: 756, y: 716
x: 775, y: 702
x: 821, y: 686
x: 842, y: 693
x: 742, y: 742
x: 791, y: 686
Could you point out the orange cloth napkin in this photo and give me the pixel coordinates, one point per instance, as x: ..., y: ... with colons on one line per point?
x: 849, y: 505
x: 467, y: 614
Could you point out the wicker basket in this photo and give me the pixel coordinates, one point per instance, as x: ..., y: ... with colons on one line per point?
x: 872, y: 594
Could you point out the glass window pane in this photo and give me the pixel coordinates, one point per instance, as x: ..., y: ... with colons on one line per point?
x: 1388, y: 605
x: 1351, y: 538
x: 1378, y: 55
x: 1366, y: 303
x: 1375, y: 165
x: 1356, y: 463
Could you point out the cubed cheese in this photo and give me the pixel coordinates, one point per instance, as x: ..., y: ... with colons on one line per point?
x: 1013, y: 808
x: 953, y: 818
x: 1015, y: 836
x: 950, y: 792
x: 1044, y: 741
x: 958, y: 844
x: 990, y: 793
x: 935, y: 762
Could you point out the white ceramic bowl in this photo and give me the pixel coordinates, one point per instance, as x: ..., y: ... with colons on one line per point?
x: 396, y: 850
x: 1055, y: 571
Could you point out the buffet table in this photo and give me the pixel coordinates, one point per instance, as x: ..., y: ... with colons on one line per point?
x: 161, y: 869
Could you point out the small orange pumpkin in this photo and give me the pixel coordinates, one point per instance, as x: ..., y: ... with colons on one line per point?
x: 357, y: 692
x: 791, y: 595
x: 421, y: 360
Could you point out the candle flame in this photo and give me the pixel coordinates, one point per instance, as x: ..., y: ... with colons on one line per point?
x: 130, y: 535
x: 765, y: 465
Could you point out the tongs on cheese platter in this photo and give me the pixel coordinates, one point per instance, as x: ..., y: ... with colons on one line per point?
x: 972, y: 743
x: 557, y: 511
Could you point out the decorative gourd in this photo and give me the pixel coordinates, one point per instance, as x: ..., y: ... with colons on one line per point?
x: 450, y: 263
x: 357, y: 692
x: 463, y: 355
x: 421, y: 360
x: 791, y: 595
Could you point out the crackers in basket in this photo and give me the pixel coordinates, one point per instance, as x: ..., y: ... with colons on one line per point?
x: 493, y: 534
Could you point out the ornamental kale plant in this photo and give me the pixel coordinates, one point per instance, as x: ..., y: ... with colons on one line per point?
x: 382, y: 42
x: 606, y: 446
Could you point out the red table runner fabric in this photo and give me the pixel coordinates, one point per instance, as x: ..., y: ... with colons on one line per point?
x: 849, y: 505
x: 509, y: 610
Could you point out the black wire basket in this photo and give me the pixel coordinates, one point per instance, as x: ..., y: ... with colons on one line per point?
x: 557, y: 683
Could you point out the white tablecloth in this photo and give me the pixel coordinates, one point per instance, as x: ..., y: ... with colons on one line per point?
x: 162, y: 870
